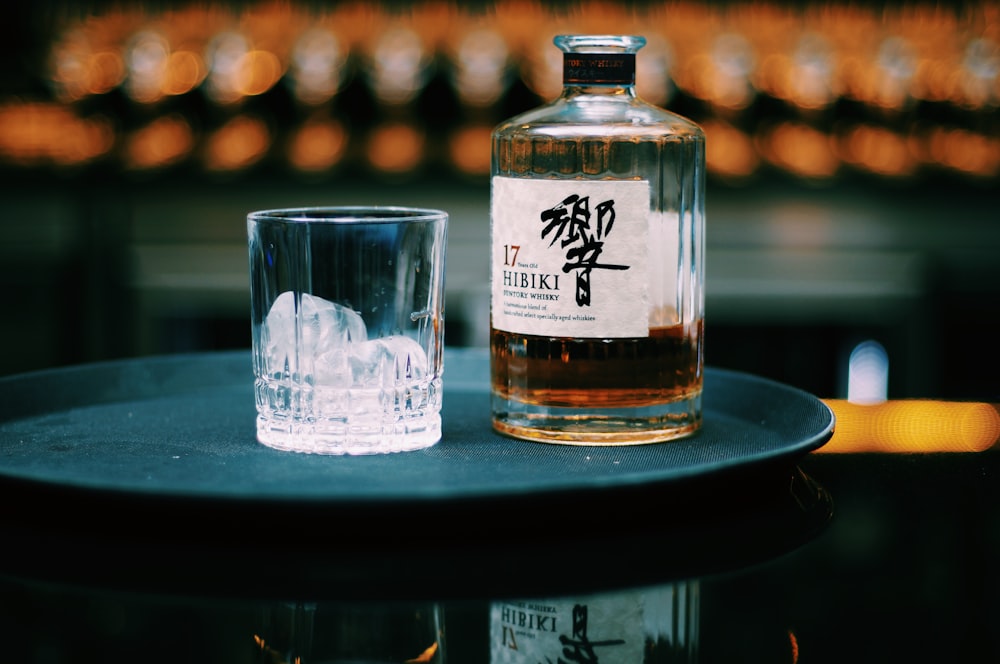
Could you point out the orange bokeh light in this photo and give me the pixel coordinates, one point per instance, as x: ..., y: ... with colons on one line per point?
x: 800, y: 149
x: 966, y: 151
x: 469, y: 149
x: 913, y: 426
x: 163, y: 142
x: 238, y: 144
x: 36, y: 134
x: 729, y: 152
x: 257, y: 72
x: 317, y: 146
x: 184, y: 71
x: 396, y: 148
x: 878, y: 150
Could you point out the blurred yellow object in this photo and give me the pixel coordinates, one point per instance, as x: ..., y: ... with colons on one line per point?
x: 37, y: 133
x: 162, y: 142
x: 318, y: 145
x: 815, y: 91
x: 396, y: 147
x: 913, y: 426
x: 238, y: 144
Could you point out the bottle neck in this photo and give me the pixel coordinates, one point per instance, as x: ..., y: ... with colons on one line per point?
x: 594, y: 90
x: 599, y: 71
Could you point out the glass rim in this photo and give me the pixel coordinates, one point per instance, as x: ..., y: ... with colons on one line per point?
x: 348, y: 214
x: 602, y: 43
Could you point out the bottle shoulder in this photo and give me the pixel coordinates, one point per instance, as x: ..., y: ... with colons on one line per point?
x: 599, y: 115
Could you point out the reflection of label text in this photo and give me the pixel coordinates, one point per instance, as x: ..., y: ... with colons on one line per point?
x: 579, y: 648
x: 528, y: 619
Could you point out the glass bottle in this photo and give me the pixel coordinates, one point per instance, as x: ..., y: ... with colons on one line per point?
x: 597, y: 241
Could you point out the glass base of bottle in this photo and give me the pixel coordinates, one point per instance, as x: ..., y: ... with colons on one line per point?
x: 656, y: 423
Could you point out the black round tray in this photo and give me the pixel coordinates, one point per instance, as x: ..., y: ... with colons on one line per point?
x: 147, y: 475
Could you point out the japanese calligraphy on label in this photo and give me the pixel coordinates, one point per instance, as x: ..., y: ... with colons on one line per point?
x: 570, y: 257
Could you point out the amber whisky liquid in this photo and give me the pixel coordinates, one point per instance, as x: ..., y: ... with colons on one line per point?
x: 628, y: 385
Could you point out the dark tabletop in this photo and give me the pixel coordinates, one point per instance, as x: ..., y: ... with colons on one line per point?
x: 799, y: 547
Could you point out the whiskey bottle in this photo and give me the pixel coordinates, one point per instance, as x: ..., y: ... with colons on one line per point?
x: 597, y: 260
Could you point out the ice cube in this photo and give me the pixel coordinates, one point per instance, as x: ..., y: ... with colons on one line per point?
x: 325, y: 327
x: 388, y: 361
x: 332, y: 368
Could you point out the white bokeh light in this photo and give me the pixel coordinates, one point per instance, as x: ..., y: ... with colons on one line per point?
x: 868, y: 373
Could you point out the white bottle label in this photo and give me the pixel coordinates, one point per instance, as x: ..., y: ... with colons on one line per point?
x: 570, y: 258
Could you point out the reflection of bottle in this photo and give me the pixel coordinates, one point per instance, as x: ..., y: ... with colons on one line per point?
x: 649, y: 626
x: 597, y: 260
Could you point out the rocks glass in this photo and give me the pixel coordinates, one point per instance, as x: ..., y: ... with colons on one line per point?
x: 348, y: 327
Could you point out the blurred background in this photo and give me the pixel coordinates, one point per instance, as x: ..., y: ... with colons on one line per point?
x: 853, y: 165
